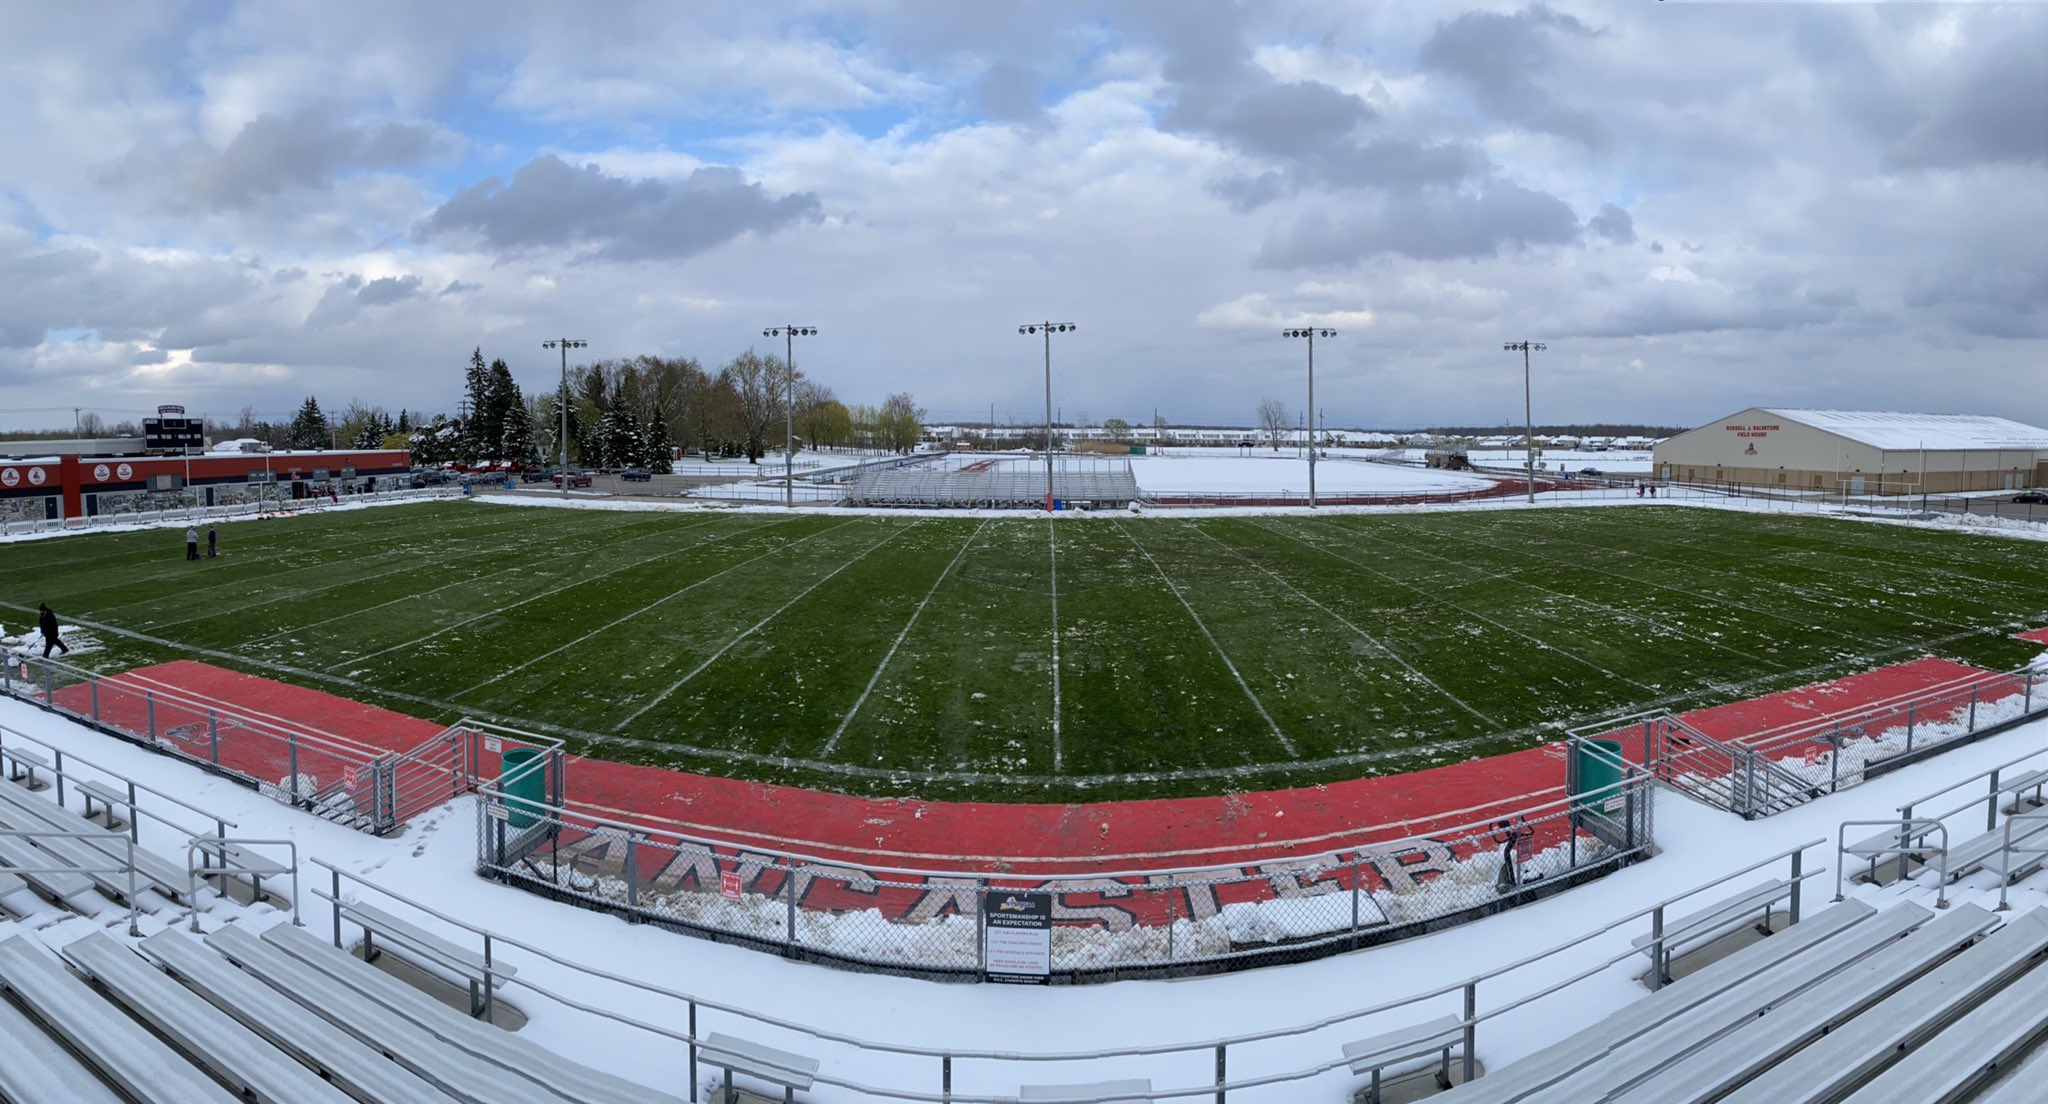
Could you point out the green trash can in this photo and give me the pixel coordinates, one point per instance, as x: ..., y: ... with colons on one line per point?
x: 1596, y: 778
x: 525, y: 782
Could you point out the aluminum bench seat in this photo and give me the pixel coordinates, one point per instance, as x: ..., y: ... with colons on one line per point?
x: 11, y: 883
x: 22, y: 764
x: 1133, y: 1089
x: 470, y: 965
x: 38, y: 1067
x: 1699, y: 1066
x: 783, y: 1068
x: 2029, y: 847
x: 25, y: 857
x: 1857, y: 1050
x: 1375, y: 1054
x: 107, y: 796
x: 454, y: 1071
x: 491, y: 1044
x: 1972, y: 854
x: 1972, y: 1052
x: 1717, y: 919
x: 2022, y: 1085
x: 216, y: 1040
x: 123, y: 1051
x: 1737, y: 986
x: 349, y: 1062
x: 152, y: 871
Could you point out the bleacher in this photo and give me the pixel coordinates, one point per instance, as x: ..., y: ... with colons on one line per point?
x: 1001, y: 487
x: 1843, y: 1005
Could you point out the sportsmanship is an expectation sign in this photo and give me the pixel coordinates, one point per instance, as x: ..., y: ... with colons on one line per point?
x: 1017, y: 936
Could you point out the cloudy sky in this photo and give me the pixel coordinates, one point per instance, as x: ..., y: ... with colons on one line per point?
x: 1697, y: 206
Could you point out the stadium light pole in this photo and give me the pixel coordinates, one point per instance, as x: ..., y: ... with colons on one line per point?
x: 1048, y: 329
x: 789, y: 334
x: 1311, y: 333
x: 565, y: 344
x: 1528, y: 425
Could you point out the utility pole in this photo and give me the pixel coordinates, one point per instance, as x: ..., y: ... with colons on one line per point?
x: 565, y: 344
x: 1048, y: 328
x: 1528, y: 424
x: 789, y: 334
x: 1311, y: 333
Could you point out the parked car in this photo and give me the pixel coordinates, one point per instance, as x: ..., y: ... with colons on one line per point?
x: 430, y: 478
x: 635, y: 475
x: 576, y: 479
x: 536, y: 475
x: 1589, y: 471
x: 2032, y: 498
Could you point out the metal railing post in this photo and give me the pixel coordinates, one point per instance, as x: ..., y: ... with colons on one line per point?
x: 789, y: 891
x: 1792, y: 906
x: 1905, y: 826
x: 291, y: 741
x: 1471, y: 1060
x: 149, y: 702
x: 490, y: 1003
x: 1912, y: 707
x: 1657, y: 948
x: 1991, y: 803
x: 335, y: 898
x: 1222, y: 1072
x: 693, y: 1051
x: 59, y: 770
x: 49, y: 683
x: 213, y: 737
x: 632, y: 876
x: 1973, y: 710
x: 95, y: 684
x: 135, y: 818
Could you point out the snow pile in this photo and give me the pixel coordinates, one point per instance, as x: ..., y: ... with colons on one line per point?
x: 29, y: 642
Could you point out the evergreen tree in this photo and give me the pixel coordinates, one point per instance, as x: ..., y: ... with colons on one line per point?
x: 517, y: 444
x: 501, y: 394
x: 620, y: 431
x: 436, y: 441
x: 309, y: 427
x: 476, y: 384
x: 404, y: 422
x: 658, y: 449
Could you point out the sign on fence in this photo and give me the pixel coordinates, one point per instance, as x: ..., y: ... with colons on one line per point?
x: 1017, y: 935
x: 729, y: 884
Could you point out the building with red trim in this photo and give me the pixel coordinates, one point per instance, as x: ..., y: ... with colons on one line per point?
x: 55, y: 483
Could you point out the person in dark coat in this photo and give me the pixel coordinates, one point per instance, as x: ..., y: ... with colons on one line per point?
x: 212, y: 543
x: 192, y: 543
x: 47, y: 621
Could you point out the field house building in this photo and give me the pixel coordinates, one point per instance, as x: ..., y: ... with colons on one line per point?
x: 66, y: 479
x: 1858, y: 452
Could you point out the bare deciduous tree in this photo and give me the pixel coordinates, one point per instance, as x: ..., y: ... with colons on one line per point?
x: 1273, y: 421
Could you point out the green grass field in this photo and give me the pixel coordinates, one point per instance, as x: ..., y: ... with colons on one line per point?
x: 1029, y: 660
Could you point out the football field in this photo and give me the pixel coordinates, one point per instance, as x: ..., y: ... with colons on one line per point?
x: 1027, y: 659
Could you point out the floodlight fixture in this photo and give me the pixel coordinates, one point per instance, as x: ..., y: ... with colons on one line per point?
x: 565, y: 344
x: 1048, y: 329
x: 1528, y: 423
x: 788, y: 334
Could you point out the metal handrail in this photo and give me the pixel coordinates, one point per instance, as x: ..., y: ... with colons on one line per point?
x: 1905, y: 850
x: 220, y: 843
x: 128, y: 846
x: 221, y: 823
x: 1220, y: 1045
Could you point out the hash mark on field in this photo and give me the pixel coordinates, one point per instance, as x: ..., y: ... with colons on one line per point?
x: 1504, y: 627
x: 1369, y: 638
x: 907, y: 625
x: 756, y: 627
x: 1053, y: 556
x: 617, y: 621
x: 543, y: 594
x: 1202, y: 625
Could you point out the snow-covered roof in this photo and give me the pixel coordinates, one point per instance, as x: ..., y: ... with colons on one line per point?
x: 1891, y: 430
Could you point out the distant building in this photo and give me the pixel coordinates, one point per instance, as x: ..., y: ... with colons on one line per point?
x: 1858, y: 452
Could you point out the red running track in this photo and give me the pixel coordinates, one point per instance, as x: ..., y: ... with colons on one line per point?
x: 989, y: 837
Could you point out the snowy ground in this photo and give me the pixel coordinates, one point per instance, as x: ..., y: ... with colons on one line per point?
x: 431, y: 863
x: 1183, y: 471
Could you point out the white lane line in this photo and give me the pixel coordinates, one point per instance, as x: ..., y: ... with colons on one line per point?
x: 485, y: 573
x: 1376, y: 642
x: 622, y: 619
x: 1472, y: 613
x: 1200, y: 624
x: 584, y: 581
x: 1053, y: 544
x: 907, y: 626
x: 756, y: 627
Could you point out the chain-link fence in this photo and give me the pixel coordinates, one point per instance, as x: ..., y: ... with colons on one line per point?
x: 1390, y: 882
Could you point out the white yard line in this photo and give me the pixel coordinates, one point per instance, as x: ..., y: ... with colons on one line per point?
x: 510, y: 552
x: 756, y: 627
x: 616, y: 622
x: 1376, y: 642
x: 584, y: 581
x: 891, y: 654
x: 1544, y: 644
x: 1653, y: 623
x: 1053, y: 556
x: 1200, y: 624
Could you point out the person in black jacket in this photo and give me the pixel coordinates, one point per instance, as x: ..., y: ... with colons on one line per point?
x: 212, y: 543
x: 47, y: 621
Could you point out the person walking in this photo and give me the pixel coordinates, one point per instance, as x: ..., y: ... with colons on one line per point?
x: 212, y: 543
x: 47, y: 621
x: 192, y: 543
